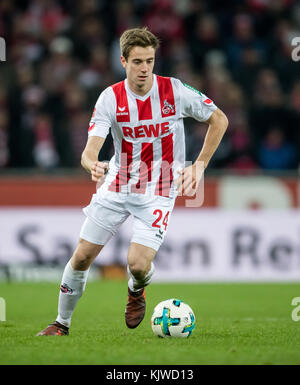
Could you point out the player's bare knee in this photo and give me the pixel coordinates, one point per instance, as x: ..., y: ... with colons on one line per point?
x: 82, y: 259
x: 138, y: 269
x: 84, y: 255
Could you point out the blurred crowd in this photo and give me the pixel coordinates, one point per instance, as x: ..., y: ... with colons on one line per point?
x: 60, y: 54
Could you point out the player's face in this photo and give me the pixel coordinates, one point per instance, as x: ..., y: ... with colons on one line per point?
x: 139, y: 67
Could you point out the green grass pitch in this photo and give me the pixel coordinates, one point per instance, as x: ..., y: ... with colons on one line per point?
x: 235, y: 324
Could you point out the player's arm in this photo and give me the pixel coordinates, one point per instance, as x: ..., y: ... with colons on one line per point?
x: 99, y: 127
x: 89, y: 158
x: 217, y: 125
x: 191, y: 176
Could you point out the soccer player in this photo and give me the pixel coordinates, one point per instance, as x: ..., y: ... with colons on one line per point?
x: 145, y: 115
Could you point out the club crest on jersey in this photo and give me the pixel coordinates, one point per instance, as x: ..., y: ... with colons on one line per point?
x: 167, y: 108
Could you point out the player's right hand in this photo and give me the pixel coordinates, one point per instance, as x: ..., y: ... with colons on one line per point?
x: 98, y: 170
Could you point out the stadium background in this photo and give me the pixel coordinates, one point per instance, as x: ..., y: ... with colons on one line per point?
x: 61, y: 54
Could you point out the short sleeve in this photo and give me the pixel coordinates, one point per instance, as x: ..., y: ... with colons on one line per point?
x: 101, y: 120
x: 194, y: 103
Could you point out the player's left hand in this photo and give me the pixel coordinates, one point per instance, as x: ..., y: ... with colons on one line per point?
x: 189, y: 179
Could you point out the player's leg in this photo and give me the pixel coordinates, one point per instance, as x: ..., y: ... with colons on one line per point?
x: 140, y: 266
x: 74, y: 279
x: 140, y: 269
x: 91, y: 242
x: 72, y: 286
x: 149, y: 230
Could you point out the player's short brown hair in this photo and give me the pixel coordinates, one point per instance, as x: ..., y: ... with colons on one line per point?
x: 140, y: 37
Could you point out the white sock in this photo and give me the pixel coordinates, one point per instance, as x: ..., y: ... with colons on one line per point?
x: 136, y: 285
x: 72, y: 286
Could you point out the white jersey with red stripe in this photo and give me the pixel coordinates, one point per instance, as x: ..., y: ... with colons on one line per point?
x: 148, y: 133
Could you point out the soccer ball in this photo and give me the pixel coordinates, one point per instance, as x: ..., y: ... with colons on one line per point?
x: 173, y: 318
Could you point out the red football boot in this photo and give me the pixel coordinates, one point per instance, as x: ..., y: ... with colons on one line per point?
x: 55, y: 329
x: 135, y: 308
